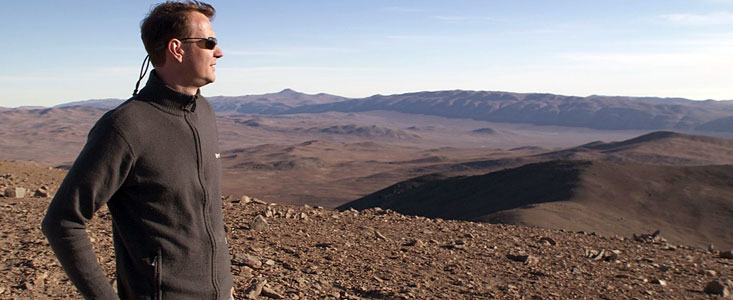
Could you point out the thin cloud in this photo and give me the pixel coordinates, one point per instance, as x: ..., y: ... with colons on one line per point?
x: 719, y: 57
x: 301, y: 68
x: 715, y: 18
x: 295, y: 51
x: 456, y: 19
x: 707, y: 40
x: 36, y: 78
x: 415, y: 38
x: 121, y: 69
x: 403, y: 9
x: 257, y: 53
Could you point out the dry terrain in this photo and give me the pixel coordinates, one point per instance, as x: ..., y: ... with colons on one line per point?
x: 345, y: 155
x: 691, y: 205
x: 303, y: 252
x: 581, y: 194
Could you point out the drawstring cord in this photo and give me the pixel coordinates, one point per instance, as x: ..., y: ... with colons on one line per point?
x: 143, y: 71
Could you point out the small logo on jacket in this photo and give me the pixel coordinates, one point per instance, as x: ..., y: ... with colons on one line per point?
x: 217, y: 155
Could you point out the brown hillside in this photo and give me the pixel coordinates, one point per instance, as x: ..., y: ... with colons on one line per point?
x: 659, y: 148
x: 690, y: 205
x: 315, y: 253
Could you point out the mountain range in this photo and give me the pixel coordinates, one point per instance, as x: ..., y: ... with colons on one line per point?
x: 598, y: 112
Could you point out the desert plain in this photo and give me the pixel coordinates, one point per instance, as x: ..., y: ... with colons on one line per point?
x: 325, y: 198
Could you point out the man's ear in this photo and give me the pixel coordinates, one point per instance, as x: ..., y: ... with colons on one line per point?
x: 175, y: 49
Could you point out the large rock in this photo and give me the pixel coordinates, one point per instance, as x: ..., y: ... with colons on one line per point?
x: 269, y: 292
x: 41, y: 192
x: 259, y: 223
x: 719, y: 287
x: 17, y: 192
x: 244, y: 259
x: 523, y: 257
x: 254, y: 290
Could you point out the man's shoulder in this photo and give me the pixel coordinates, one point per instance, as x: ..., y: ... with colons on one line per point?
x: 132, y: 110
x: 125, y: 118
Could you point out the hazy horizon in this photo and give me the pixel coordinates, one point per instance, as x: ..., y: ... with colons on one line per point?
x: 406, y: 92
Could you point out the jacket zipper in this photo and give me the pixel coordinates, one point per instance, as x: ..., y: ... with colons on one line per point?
x: 157, y: 264
x: 207, y: 225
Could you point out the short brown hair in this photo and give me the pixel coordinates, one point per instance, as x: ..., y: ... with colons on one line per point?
x: 166, y: 21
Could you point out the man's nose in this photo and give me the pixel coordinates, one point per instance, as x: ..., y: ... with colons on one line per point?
x: 217, y: 52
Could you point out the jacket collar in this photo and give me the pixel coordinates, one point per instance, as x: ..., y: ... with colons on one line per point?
x: 166, y: 98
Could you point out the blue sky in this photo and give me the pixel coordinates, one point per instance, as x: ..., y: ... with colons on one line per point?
x: 62, y: 51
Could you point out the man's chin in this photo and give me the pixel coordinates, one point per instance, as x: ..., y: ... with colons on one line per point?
x: 205, y: 81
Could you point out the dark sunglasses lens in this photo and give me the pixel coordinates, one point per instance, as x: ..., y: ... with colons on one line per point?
x: 210, y: 43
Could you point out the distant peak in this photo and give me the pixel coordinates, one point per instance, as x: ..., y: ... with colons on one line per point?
x: 287, y: 91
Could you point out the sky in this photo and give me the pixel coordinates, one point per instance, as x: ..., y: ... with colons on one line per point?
x: 61, y: 51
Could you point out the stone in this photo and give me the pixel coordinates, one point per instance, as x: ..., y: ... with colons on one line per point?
x: 245, y: 199
x: 41, y: 192
x: 727, y: 254
x: 415, y: 242
x: 17, y: 192
x: 244, y: 259
x: 258, y: 201
x: 718, y: 287
x: 548, y: 241
x: 659, y: 282
x: 380, y: 236
x: 268, y: 292
x: 523, y: 257
x: 258, y: 224
x: 270, y: 262
x: 709, y: 273
x: 255, y: 289
x: 303, y: 216
x: 669, y: 247
x: 594, y: 254
x: 654, y: 238
x: 612, y: 255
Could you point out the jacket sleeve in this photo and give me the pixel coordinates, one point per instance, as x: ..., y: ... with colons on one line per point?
x: 98, y: 172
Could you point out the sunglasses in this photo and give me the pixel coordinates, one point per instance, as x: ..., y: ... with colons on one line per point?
x: 209, y: 42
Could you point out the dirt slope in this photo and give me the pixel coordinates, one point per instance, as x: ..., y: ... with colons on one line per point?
x: 658, y: 148
x: 691, y: 205
x: 313, y: 253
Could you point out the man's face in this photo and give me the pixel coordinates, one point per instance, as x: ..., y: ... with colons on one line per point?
x: 198, y: 62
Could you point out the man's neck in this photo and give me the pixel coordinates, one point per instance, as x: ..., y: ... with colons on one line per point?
x: 171, y: 80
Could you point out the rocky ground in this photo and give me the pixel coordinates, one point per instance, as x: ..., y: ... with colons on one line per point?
x: 306, y: 252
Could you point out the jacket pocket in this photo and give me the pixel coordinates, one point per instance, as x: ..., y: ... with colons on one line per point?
x: 158, y: 275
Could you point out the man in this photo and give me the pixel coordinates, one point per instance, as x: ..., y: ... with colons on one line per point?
x: 154, y: 161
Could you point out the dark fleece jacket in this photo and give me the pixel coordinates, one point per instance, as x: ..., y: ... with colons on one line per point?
x: 154, y: 161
